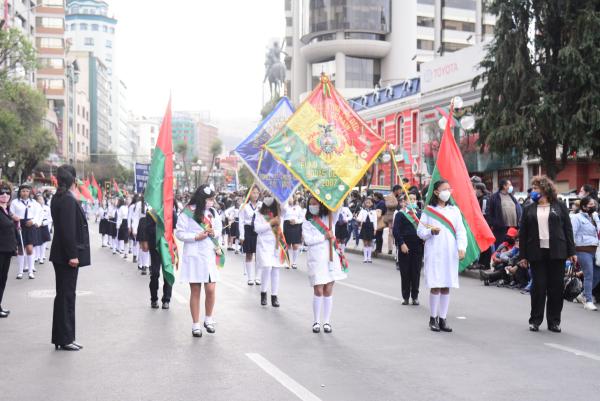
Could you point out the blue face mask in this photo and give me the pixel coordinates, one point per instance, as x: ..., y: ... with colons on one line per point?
x: 535, y: 196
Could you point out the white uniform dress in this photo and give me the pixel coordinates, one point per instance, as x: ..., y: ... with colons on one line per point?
x: 320, y: 269
x: 267, y: 254
x: 441, y: 251
x: 198, y: 263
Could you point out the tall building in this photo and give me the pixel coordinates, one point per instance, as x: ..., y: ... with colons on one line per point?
x: 185, y: 129
x: 126, y: 144
x: 21, y: 15
x: 50, y: 76
x: 90, y: 28
x: 207, y: 135
x: 145, y: 131
x: 369, y: 43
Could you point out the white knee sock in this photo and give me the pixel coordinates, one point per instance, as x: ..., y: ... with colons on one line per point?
x: 30, y: 263
x: 327, y: 307
x: 257, y: 271
x: 265, y: 274
x: 434, y: 301
x: 275, y: 280
x: 294, y: 256
x: 122, y: 246
x: 365, y: 253
x: 249, y: 270
x: 444, y: 303
x: 136, y: 249
x: 115, y: 243
x: 21, y: 260
x: 317, y: 308
x: 146, y: 255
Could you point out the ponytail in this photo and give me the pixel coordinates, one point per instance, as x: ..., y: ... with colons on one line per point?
x: 65, y: 176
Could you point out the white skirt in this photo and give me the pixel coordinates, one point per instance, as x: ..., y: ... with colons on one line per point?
x: 199, y: 269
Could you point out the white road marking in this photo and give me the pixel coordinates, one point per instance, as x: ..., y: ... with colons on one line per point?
x: 574, y: 351
x: 52, y: 293
x: 461, y: 317
x: 379, y: 294
x: 286, y: 381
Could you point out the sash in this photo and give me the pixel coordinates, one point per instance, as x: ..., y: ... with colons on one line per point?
x: 279, y: 240
x: 411, y: 217
x: 431, y: 212
x: 323, y: 229
x: 220, y: 255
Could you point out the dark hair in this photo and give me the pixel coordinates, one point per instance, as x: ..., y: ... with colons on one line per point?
x: 65, y: 176
x: 396, y: 187
x: 481, y: 186
x: 503, y: 182
x: 405, y: 180
x: 584, y: 202
x: 135, y: 199
x: 323, y: 211
x: 274, y: 208
x: 120, y: 202
x: 6, y: 186
x: 591, y: 191
x: 434, y: 198
x: 546, y: 185
x: 199, y: 200
x: 143, y: 211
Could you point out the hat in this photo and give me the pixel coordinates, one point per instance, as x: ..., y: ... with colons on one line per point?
x: 205, y: 191
x: 512, y: 232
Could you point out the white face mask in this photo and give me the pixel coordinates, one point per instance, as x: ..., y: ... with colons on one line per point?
x: 511, y: 189
x: 268, y: 201
x: 444, y: 196
x: 313, y: 209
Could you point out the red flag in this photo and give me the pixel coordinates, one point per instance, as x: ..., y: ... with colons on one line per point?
x: 116, y: 188
x: 98, y: 189
x: 54, y: 181
x: 85, y: 192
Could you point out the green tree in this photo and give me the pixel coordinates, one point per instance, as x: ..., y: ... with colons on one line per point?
x: 245, y: 176
x: 541, y: 80
x: 181, y: 148
x: 216, y: 148
x: 15, y: 52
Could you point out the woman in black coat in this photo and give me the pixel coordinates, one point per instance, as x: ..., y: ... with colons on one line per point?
x: 8, y: 241
x: 70, y: 250
x: 546, y: 241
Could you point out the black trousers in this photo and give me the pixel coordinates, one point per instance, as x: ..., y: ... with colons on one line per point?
x: 378, y: 241
x: 547, y: 289
x: 486, y: 257
x: 4, y: 267
x: 410, y: 269
x: 63, y: 319
x: 155, y: 267
x: 499, y: 234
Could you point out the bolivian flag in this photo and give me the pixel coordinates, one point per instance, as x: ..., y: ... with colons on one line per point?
x: 326, y: 145
x: 450, y: 166
x: 159, y: 195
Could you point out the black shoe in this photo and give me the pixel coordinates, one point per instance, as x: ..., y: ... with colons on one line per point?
x: 4, y: 313
x: 274, y: 301
x: 134, y: 259
x: 405, y: 302
x: 154, y: 304
x: 263, y: 298
x: 555, y: 328
x: 197, y: 333
x: 165, y: 305
x: 327, y: 328
x: 316, y: 328
x: 77, y: 345
x: 144, y: 270
x: 433, y: 324
x: 534, y: 327
x: 210, y: 328
x: 250, y: 282
x: 444, y: 326
x: 67, y: 347
x: 415, y: 302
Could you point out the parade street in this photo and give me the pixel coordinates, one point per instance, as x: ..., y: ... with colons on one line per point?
x: 379, y: 349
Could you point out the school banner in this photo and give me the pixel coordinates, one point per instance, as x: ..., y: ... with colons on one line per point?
x: 141, y: 177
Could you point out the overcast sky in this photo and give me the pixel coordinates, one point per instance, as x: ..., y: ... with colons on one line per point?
x: 208, y: 53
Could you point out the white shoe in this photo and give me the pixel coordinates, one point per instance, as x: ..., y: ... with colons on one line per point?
x: 581, y: 298
x: 19, y: 276
x: 31, y: 276
x: 34, y: 270
x: 257, y: 282
x: 589, y: 306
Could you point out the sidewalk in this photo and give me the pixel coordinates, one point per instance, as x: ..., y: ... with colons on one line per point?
x: 351, y: 247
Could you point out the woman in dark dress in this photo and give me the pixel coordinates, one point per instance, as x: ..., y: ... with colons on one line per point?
x: 70, y: 250
x: 8, y: 241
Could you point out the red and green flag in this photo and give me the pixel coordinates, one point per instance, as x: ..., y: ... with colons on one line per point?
x: 159, y: 195
x: 326, y: 145
x: 84, y: 191
x: 450, y: 166
x: 117, y: 189
x: 97, y: 189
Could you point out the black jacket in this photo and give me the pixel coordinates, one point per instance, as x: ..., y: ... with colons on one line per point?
x: 561, y: 233
x: 405, y: 232
x: 8, y: 234
x: 494, y: 211
x: 150, y: 228
x: 71, y: 236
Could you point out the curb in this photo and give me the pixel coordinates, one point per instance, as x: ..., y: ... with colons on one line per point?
x: 467, y: 273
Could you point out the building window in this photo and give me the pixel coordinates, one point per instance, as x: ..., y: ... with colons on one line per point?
x: 452, y: 47
x: 458, y: 26
x: 425, y: 21
x: 400, y: 132
x: 88, y: 41
x: 423, y: 44
x: 381, y: 177
x: 488, y: 29
x: 95, y: 27
x: 51, y: 84
x: 462, y: 4
x: 48, y: 22
x: 51, y: 43
x: 362, y: 72
x: 364, y: 36
x: 419, y: 66
x: 73, y: 27
x: 104, y: 28
x: 83, y: 27
x: 288, y: 21
x: 109, y: 44
x: 54, y: 63
x: 112, y: 30
x: 53, y: 3
x: 328, y: 67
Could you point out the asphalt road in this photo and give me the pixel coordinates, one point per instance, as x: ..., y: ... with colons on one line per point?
x: 379, y: 349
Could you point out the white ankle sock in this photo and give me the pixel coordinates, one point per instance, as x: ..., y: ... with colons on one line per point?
x: 317, y: 301
x: 327, y: 307
x: 444, y: 303
x: 434, y: 301
x: 275, y: 280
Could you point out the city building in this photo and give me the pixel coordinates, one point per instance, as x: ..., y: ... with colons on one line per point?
x: 361, y: 45
x: 145, y: 131
x: 185, y: 131
x: 207, y: 135
x: 21, y: 15
x: 126, y: 144
x: 90, y: 28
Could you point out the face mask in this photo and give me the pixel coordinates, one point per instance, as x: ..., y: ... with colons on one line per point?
x: 444, y: 196
x: 268, y: 201
x: 511, y: 189
x: 209, y: 204
x: 591, y: 210
x: 535, y: 196
x: 313, y: 209
x: 510, y: 241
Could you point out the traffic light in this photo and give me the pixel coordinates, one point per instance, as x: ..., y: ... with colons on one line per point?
x: 107, y: 187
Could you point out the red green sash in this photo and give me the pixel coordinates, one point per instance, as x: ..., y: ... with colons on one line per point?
x: 220, y: 255
x: 412, y: 217
x: 431, y: 212
x: 323, y: 229
x: 280, y: 240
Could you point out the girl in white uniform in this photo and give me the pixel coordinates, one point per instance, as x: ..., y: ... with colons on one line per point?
x: 44, y: 222
x: 123, y: 230
x: 268, y: 227
x: 198, y: 264
x: 233, y: 214
x: 367, y: 218
x: 292, y: 229
x: 248, y: 236
x: 322, y: 271
x: 134, y: 220
x: 445, y: 236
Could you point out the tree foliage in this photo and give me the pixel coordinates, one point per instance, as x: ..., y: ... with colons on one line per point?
x: 107, y: 167
x: 541, y: 91
x: 16, y: 52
